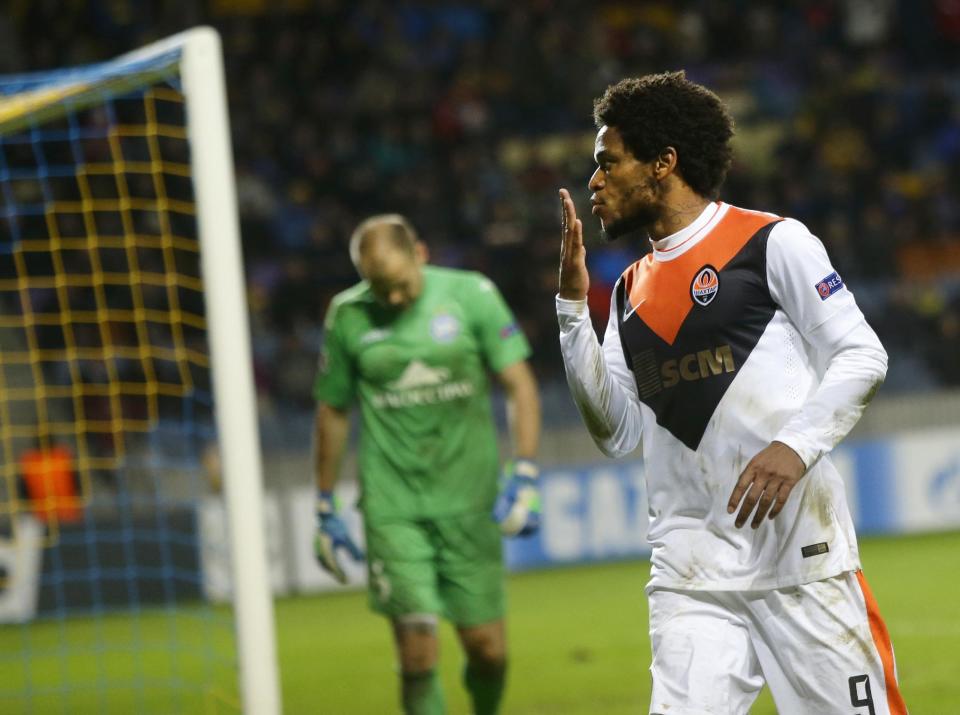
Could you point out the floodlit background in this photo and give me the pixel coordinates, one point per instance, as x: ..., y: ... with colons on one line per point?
x: 467, y: 117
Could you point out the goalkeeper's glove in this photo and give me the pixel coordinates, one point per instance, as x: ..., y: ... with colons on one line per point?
x: 517, y: 508
x: 332, y: 535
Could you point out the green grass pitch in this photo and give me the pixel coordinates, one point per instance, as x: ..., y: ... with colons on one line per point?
x: 579, y: 644
x: 578, y: 641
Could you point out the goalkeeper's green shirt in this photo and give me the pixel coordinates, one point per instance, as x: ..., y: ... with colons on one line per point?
x: 428, y: 444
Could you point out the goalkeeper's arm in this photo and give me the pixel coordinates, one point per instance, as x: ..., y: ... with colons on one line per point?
x: 331, y: 429
x: 518, y: 507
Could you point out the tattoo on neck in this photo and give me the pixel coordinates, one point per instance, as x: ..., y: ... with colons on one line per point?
x: 677, y: 217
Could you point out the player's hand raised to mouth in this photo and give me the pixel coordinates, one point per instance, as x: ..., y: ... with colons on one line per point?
x: 574, y: 279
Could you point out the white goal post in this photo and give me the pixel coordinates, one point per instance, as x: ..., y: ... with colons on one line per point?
x: 208, y: 128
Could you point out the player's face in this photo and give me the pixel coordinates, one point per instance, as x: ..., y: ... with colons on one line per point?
x: 626, y: 195
x: 395, y: 276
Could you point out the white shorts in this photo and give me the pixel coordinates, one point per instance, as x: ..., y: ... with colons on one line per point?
x: 820, y: 647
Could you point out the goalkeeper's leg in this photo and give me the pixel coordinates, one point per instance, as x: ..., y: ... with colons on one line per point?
x: 417, y: 648
x: 485, y: 672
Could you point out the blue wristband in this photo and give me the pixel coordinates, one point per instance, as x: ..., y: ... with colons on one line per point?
x: 326, y: 502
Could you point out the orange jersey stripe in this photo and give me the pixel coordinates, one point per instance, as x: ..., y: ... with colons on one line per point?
x: 660, y: 291
x: 881, y: 639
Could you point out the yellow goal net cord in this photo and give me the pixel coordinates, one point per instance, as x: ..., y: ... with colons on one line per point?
x: 101, y: 311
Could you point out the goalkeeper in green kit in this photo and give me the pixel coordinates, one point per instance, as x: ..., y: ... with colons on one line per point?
x: 412, y: 345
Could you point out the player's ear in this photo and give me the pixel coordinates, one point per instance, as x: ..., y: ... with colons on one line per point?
x: 665, y: 163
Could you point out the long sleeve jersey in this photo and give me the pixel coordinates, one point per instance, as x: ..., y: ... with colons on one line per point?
x: 732, y: 333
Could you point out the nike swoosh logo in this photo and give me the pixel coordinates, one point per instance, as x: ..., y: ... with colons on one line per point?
x: 632, y: 309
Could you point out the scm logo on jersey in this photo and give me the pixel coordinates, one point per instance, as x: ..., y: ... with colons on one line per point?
x: 697, y: 366
x: 705, y: 285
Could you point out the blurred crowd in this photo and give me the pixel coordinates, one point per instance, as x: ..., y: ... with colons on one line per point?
x: 468, y: 116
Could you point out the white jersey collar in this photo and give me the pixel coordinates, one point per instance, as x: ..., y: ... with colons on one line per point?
x: 676, y: 244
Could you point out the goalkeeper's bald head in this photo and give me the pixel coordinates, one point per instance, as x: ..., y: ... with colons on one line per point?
x: 389, y: 255
x: 394, y: 228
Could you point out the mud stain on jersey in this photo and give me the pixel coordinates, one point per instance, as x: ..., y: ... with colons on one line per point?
x: 595, y: 422
x: 833, y: 594
x: 841, y: 422
x: 868, y: 397
x: 816, y: 501
x: 853, y: 640
x: 824, y: 510
x: 595, y: 418
x: 692, y: 574
x: 712, y: 485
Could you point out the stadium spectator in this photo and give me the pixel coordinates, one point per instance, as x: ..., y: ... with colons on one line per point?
x: 847, y: 117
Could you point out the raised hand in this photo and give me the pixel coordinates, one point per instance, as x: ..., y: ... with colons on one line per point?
x: 574, y: 279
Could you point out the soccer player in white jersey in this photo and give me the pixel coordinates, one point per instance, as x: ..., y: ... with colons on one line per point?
x: 736, y: 358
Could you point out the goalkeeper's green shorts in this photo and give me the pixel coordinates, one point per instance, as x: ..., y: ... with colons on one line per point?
x: 452, y: 567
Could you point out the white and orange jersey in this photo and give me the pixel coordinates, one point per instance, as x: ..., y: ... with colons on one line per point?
x: 730, y: 334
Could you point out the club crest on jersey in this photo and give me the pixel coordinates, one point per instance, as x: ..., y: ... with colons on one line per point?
x: 705, y: 285
x: 444, y: 328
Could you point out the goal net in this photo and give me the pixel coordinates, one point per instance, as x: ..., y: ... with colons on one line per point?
x: 125, y: 393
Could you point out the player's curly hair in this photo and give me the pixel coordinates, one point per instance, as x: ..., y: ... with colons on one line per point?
x: 661, y: 110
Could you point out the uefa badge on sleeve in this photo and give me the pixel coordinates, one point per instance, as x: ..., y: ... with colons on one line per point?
x: 705, y: 285
x: 829, y: 285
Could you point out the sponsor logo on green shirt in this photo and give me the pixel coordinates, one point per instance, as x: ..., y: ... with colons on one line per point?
x: 421, y: 384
